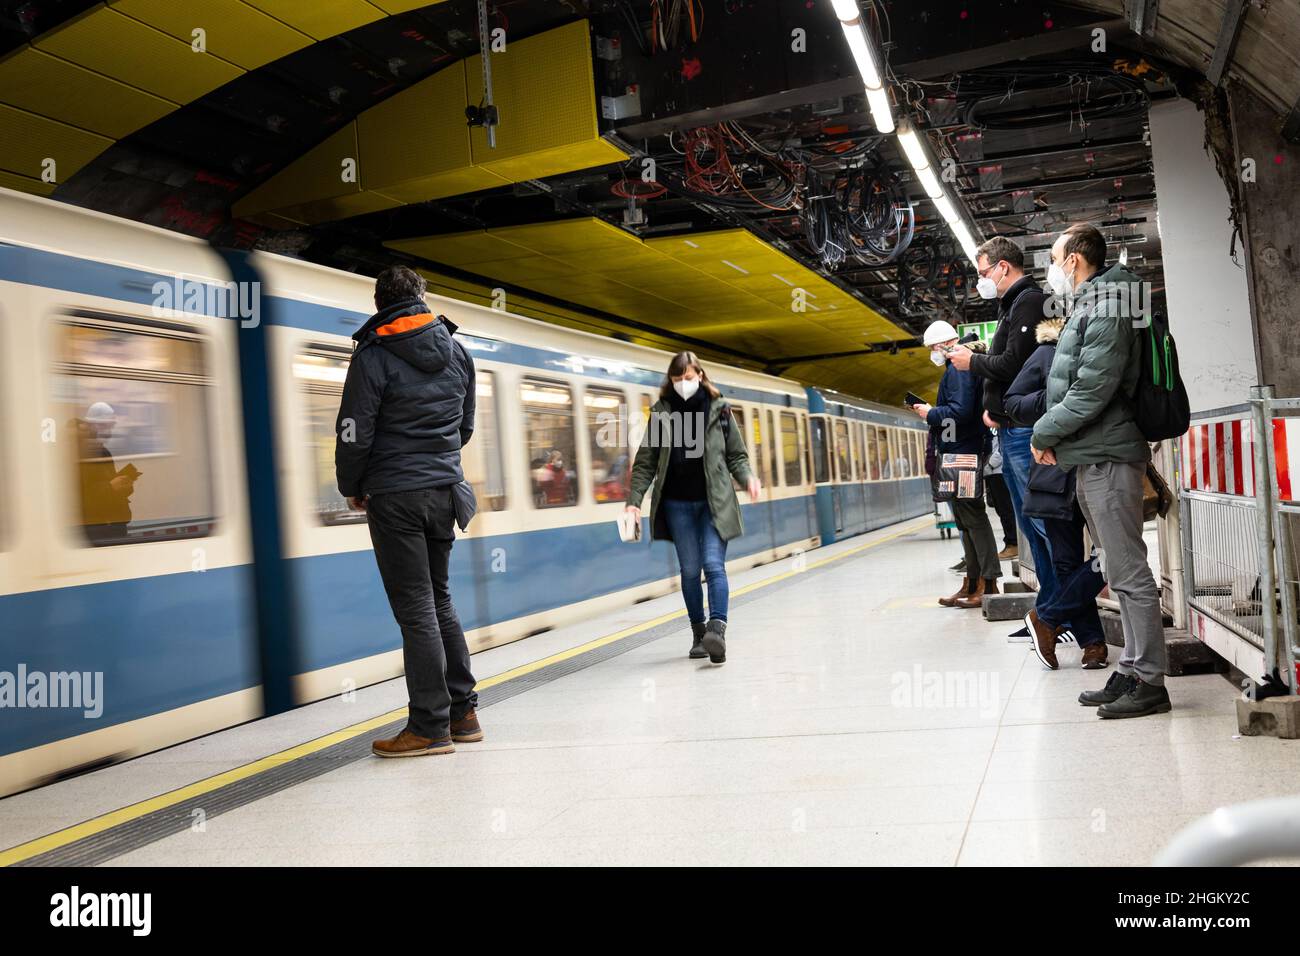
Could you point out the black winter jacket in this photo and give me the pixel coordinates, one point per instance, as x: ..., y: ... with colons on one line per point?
x: 1026, y: 398
x: 1020, y: 310
x: 408, y: 404
x: 958, y: 402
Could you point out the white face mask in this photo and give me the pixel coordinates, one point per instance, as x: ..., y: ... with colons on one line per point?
x: 987, y: 288
x: 938, y: 358
x: 686, y: 387
x: 1058, y: 280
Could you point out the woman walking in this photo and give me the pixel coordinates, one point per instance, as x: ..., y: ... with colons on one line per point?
x: 691, y: 450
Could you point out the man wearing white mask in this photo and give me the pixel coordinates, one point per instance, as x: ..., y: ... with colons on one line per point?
x: 1021, y: 306
x: 957, y: 428
x: 1089, y: 427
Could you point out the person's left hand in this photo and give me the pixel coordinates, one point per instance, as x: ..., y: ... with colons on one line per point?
x: 1044, y: 456
x: 755, y: 488
x: 921, y: 410
x: 959, y: 356
x: 989, y: 422
x: 357, y: 504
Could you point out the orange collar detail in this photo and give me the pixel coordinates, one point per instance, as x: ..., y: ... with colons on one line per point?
x: 405, y: 323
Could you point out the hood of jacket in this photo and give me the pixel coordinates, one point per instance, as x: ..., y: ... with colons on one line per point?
x: 1048, y: 331
x: 412, y: 333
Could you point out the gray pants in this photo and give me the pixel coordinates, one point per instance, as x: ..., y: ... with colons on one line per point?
x: 1110, y: 494
x: 977, y: 541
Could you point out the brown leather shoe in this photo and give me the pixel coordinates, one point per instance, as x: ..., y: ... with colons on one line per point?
x: 966, y: 584
x: 1094, y: 656
x: 1042, y: 639
x: 407, y: 744
x: 466, y: 730
x: 1009, y: 552
x: 976, y: 599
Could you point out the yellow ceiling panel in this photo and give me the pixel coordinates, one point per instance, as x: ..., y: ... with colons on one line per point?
x: 232, y: 29
x: 314, y: 177
x: 417, y: 133
x: 32, y: 142
x: 404, y: 6
x: 320, y: 19
x: 455, y: 182
x: 25, y: 184
x: 341, y: 207
x: 111, y: 43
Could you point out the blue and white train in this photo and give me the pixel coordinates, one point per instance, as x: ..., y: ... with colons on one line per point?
x: 236, y: 583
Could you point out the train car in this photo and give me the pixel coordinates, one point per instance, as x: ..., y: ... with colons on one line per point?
x: 238, y: 582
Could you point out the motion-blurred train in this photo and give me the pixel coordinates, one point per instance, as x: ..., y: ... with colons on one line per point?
x: 174, y: 557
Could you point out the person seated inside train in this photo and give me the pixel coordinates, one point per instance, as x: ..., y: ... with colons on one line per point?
x: 552, y: 484
x: 105, y: 489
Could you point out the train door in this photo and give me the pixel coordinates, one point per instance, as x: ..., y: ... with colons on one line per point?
x: 843, y: 471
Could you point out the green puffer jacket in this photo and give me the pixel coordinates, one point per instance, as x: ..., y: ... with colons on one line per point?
x: 1090, y: 387
x: 724, y: 457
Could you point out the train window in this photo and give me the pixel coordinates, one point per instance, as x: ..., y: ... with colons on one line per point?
x: 481, y: 458
x: 904, y: 453
x: 886, y: 461
x: 738, y: 421
x: 807, y: 448
x: 790, y: 449
x: 548, y: 428
x: 918, y: 454
x: 821, y: 449
x: 856, y: 433
x: 135, y: 403
x: 760, y: 459
x: 611, y: 471
x: 320, y: 373
x: 842, y: 460
x: 774, y: 446
x: 873, y: 455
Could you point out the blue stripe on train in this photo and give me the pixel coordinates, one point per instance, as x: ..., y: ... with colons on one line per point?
x: 160, y: 643
x: 58, y: 271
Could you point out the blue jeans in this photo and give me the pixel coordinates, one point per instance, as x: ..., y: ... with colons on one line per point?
x: 1075, y: 604
x: 1016, y: 457
x: 699, y: 548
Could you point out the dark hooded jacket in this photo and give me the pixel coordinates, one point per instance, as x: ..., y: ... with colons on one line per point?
x: 1019, y: 311
x: 408, y: 404
x: 1025, y: 399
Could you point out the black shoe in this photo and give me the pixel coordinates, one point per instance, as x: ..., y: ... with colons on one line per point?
x: 1141, y: 700
x: 959, y: 567
x: 715, y: 640
x: 697, y: 647
x: 1118, y: 685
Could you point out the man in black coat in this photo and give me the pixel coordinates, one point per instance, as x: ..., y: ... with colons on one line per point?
x: 407, y: 410
x: 1021, y: 306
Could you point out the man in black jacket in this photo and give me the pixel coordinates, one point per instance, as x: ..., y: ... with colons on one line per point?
x: 407, y: 410
x: 1021, y: 307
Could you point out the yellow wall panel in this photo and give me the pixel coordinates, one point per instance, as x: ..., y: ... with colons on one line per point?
x: 111, y: 43
x: 456, y: 182
x: 25, y: 184
x: 234, y: 30
x: 404, y: 6
x: 30, y: 139
x: 320, y: 19
x: 46, y: 85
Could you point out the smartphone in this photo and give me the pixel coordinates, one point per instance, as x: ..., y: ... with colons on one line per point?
x: 131, y: 472
x: 911, y: 400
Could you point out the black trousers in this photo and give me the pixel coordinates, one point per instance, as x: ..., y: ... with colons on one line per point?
x: 1000, y: 500
x: 412, y: 532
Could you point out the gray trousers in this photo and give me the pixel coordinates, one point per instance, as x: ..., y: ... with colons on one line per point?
x: 977, y: 541
x: 1110, y: 494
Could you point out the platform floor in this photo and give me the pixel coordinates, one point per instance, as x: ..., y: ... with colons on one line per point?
x: 855, y: 722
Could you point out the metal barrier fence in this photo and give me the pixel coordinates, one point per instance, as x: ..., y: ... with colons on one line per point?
x: 1237, y: 524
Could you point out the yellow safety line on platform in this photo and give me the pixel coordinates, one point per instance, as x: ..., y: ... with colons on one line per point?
x: 79, y: 831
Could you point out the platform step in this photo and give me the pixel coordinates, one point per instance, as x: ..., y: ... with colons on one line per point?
x: 1007, y: 607
x: 1270, y: 717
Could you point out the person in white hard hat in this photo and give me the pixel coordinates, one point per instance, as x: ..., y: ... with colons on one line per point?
x: 105, y: 491
x: 956, y: 423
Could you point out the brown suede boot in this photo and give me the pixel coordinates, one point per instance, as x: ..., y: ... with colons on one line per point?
x: 467, y: 729
x: 966, y: 585
x: 986, y: 586
x: 407, y: 744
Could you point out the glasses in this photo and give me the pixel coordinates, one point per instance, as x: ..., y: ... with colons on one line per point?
x: 984, y: 273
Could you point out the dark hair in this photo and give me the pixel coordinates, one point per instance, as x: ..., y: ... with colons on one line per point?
x: 397, y: 284
x: 1088, y: 242
x: 678, y: 366
x: 999, y: 248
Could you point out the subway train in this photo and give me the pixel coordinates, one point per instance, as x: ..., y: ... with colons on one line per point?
x: 174, y: 556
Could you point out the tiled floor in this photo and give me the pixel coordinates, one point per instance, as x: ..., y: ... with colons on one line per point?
x: 855, y: 721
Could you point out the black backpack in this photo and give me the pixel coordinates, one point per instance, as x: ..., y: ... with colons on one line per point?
x: 1160, y: 406
x: 1161, y: 409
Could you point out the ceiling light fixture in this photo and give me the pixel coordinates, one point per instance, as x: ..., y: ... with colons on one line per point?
x: 864, y: 56
x: 918, y: 155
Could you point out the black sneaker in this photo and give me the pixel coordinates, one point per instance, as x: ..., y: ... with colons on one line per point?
x: 1116, y: 687
x: 959, y: 567
x: 697, y: 647
x: 715, y: 641
x: 1142, y: 700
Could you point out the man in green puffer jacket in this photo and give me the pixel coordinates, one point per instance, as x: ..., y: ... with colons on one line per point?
x: 1089, y: 426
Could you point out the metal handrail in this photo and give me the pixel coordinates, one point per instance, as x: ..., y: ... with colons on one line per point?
x: 1242, y: 833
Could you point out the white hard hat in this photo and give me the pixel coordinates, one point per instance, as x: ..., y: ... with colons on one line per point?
x: 101, y: 413
x: 939, y: 332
